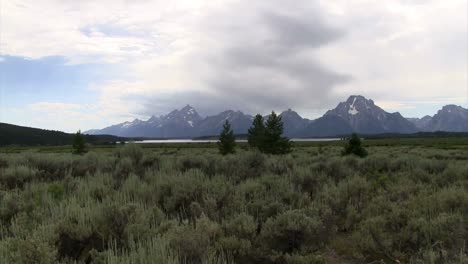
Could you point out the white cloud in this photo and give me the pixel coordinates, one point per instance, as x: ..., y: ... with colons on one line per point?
x: 221, y: 54
x: 36, y: 29
x: 403, y: 50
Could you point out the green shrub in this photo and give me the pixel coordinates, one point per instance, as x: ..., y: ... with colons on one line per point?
x: 56, y: 191
x: 49, y: 169
x: 28, y: 251
x: 188, y: 163
x: 152, y: 162
x: 17, y: 176
x: 124, y: 167
x: 253, y: 165
x: 131, y: 151
x: 75, y: 241
x: 353, y: 146
x: 291, y: 232
x: 10, y: 205
x: 3, y: 162
x: 194, y: 245
x: 189, y: 205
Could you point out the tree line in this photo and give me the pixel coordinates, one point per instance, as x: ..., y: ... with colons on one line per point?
x: 266, y: 136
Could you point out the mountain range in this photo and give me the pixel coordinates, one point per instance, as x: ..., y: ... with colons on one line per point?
x: 357, y: 114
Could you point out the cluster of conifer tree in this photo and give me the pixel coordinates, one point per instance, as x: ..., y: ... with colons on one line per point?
x: 266, y: 136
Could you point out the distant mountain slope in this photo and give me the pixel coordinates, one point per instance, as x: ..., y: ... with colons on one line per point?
x: 367, y: 118
x: 420, y: 123
x: 212, y: 125
x: 356, y: 114
x: 19, y: 135
x: 293, y: 123
x: 450, y: 118
x: 177, y: 124
x: 326, y: 126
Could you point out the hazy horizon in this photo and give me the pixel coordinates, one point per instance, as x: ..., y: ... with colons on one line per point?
x: 69, y: 65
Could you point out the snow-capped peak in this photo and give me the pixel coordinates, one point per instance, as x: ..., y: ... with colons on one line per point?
x: 352, y: 110
x: 188, y: 109
x: 127, y: 124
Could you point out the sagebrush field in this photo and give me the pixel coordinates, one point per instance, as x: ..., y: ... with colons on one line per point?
x: 403, y: 203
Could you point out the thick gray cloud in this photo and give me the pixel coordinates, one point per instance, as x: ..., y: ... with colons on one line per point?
x: 260, y: 58
x: 253, y: 56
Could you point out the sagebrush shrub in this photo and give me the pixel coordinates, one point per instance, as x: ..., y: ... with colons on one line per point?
x: 17, y: 176
x: 132, y: 151
x: 190, y: 205
x: 291, y: 232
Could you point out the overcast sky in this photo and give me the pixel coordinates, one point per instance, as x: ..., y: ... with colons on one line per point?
x: 70, y: 65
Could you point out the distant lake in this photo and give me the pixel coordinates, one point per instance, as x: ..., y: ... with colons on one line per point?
x: 214, y: 140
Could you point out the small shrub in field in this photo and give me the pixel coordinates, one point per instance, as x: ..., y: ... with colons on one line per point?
x: 3, y: 162
x: 253, y: 165
x: 188, y: 163
x: 29, y: 251
x: 178, y: 193
x: 242, y: 226
x: 49, y: 169
x: 76, y: 243
x: 123, y: 169
x: 131, y: 151
x: 17, y: 176
x: 191, y: 245
x: 291, y: 232
x: 118, y: 224
x: 307, y: 181
x: 10, y: 205
x: 87, y: 164
x: 353, y: 146
x: 239, y: 236
x: 56, y: 191
x: 194, y: 244
x: 151, y: 162
x: 334, y: 169
x: 281, y: 165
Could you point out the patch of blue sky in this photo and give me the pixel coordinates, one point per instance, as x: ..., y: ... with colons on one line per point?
x: 24, y: 81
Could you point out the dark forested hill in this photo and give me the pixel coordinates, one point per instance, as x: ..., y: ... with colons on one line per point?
x: 19, y: 135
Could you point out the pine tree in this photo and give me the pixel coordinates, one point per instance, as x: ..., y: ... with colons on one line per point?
x: 79, y: 144
x: 274, y: 142
x: 353, y: 146
x: 227, y: 140
x: 256, y: 133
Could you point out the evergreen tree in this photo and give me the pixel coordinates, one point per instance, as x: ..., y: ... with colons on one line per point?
x: 353, y: 146
x: 256, y: 133
x: 227, y: 141
x: 274, y: 142
x: 79, y: 144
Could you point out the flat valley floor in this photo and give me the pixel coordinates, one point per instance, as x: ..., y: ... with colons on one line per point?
x: 406, y: 202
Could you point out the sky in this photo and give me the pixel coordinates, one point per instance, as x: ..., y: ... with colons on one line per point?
x: 68, y: 65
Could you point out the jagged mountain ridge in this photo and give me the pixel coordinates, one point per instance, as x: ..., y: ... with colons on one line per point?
x: 356, y: 114
x: 450, y: 118
x: 367, y: 118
